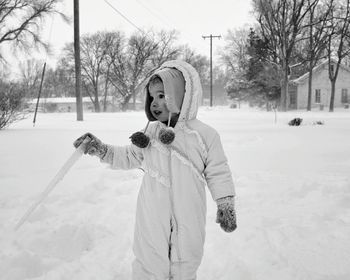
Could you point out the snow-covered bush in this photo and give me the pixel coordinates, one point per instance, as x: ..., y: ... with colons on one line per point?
x: 11, y: 101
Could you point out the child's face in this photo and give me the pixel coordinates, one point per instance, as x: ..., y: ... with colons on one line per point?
x: 158, y: 106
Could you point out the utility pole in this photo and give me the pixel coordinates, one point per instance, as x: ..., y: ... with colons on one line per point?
x: 79, y: 100
x: 211, y: 65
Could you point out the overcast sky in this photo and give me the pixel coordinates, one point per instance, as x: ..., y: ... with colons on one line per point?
x: 192, y: 18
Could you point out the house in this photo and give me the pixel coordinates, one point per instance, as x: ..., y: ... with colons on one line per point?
x: 321, y: 88
x: 59, y: 104
x: 68, y: 104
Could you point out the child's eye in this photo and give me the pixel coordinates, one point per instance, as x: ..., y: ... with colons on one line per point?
x: 161, y: 96
x: 150, y: 98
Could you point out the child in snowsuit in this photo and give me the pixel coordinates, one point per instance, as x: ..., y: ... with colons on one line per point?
x: 171, y: 207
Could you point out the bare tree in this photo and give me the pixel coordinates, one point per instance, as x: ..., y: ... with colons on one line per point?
x: 165, y: 50
x: 66, y: 72
x: 113, y: 45
x: 30, y: 73
x: 93, y: 55
x: 235, y: 58
x: 132, y: 67
x: 58, y: 83
x: 338, y: 41
x: 11, y: 104
x: 25, y: 30
x: 281, y: 23
x: 110, y: 60
x: 316, y: 40
x: 139, y: 57
x: 198, y: 61
x: 234, y: 54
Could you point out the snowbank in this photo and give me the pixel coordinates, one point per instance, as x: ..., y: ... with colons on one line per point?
x: 293, y: 199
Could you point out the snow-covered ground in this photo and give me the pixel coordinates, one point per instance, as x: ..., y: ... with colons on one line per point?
x: 292, y: 184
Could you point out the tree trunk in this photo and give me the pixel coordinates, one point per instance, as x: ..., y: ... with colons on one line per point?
x: 97, y: 106
x: 134, y: 100
x: 331, y: 102
x: 96, y: 101
x: 125, y: 102
x: 124, y: 106
x: 311, y: 52
x: 284, y: 92
x: 105, y: 96
x: 309, y: 95
x: 284, y: 87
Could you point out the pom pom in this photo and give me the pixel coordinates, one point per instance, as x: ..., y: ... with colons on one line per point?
x: 167, y: 135
x: 139, y: 139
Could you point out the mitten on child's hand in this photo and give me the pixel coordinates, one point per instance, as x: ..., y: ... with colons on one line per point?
x: 226, y: 215
x: 93, y: 145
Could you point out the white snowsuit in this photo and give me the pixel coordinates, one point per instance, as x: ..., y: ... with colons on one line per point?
x: 171, y: 207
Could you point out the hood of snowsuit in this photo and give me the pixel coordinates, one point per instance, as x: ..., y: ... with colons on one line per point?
x: 182, y: 89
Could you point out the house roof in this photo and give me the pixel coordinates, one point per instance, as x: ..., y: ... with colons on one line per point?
x: 317, y: 68
x: 70, y: 100
x: 59, y: 100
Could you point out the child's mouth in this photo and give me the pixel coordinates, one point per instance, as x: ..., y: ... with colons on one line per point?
x: 157, y: 112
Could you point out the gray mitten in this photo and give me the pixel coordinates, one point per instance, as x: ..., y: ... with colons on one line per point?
x: 226, y: 214
x: 93, y: 147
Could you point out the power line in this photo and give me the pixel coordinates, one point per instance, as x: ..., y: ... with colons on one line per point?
x: 152, y: 12
x: 128, y: 20
x: 166, y: 21
x: 134, y: 25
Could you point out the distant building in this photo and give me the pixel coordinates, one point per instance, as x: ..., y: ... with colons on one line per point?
x: 68, y: 104
x: 59, y: 104
x: 321, y: 88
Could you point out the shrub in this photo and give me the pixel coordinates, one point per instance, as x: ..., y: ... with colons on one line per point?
x: 51, y: 107
x: 11, y: 104
x: 295, y: 122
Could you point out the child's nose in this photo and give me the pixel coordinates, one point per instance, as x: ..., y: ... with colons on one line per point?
x: 154, y: 104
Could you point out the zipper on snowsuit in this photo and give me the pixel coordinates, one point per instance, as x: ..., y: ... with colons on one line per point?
x: 171, y: 195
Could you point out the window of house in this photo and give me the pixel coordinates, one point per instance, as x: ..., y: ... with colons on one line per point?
x: 344, y: 95
x: 317, y: 96
x: 292, y: 98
